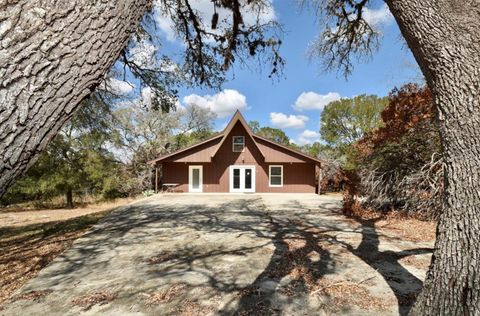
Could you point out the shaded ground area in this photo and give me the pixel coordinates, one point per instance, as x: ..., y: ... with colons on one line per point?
x: 26, y: 250
x: 230, y: 255
x: 31, y: 239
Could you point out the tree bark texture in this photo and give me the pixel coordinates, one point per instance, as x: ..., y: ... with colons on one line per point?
x: 53, y: 53
x: 69, y: 198
x: 444, y: 36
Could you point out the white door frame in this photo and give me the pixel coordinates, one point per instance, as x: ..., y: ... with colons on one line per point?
x: 242, y: 179
x: 190, y: 178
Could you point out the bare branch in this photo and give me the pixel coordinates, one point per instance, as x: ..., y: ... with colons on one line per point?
x: 213, y: 47
x: 347, y: 35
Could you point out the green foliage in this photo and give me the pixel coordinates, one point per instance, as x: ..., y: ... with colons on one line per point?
x: 255, y: 126
x: 408, y: 137
x: 148, y: 193
x: 275, y: 134
x: 317, y: 149
x: 75, y: 160
x: 345, y: 121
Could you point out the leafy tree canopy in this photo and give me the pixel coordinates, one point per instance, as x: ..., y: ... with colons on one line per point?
x: 407, y: 139
x: 345, y: 121
x: 275, y: 134
x: 78, y: 159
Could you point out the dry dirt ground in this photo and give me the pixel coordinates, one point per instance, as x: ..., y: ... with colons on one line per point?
x: 185, y: 254
x: 16, y: 217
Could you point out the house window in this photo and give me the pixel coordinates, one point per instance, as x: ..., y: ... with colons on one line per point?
x: 275, y: 176
x: 238, y: 143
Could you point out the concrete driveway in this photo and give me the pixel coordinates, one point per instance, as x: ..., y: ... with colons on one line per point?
x: 185, y: 254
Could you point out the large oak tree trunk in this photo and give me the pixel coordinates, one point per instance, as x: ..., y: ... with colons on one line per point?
x: 52, y: 55
x: 69, y: 198
x: 445, y: 39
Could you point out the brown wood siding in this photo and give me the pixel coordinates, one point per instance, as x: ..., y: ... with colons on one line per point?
x: 298, y: 175
x: 201, y: 153
x: 278, y: 154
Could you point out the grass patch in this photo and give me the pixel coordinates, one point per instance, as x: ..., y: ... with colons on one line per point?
x: 28, y: 249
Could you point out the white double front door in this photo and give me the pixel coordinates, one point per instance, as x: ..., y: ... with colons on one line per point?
x: 242, y: 178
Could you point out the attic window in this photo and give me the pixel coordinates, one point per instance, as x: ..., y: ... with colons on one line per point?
x: 238, y: 143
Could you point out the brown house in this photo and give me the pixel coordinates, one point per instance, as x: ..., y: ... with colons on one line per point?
x: 237, y: 160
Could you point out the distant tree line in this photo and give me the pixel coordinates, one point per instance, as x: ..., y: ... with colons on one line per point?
x: 102, y: 152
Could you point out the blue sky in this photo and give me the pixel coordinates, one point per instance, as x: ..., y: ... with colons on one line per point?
x: 272, y: 102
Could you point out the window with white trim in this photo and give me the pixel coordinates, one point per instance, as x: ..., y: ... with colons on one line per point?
x: 275, y: 176
x: 238, y: 143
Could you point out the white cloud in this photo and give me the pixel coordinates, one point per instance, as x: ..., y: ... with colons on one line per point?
x: 205, y: 11
x: 165, y: 24
x: 179, y: 107
x: 378, y: 17
x: 283, y: 121
x: 303, y: 141
x: 146, y: 95
x: 143, y: 53
x: 307, y: 137
x: 314, y: 101
x: 309, y: 134
x: 118, y: 87
x: 224, y: 103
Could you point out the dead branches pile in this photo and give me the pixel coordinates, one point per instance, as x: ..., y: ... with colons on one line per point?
x: 417, y: 193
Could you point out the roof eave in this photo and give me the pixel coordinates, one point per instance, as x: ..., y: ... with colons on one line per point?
x: 214, y: 137
x: 289, y: 149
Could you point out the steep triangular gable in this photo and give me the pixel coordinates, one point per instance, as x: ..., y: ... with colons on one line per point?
x: 238, y: 117
x: 269, y: 150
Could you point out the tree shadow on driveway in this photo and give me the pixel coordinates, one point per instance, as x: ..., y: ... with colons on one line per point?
x: 402, y: 282
x: 301, y: 249
x: 259, y: 261
x: 298, y: 253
